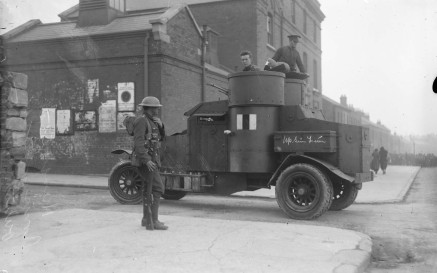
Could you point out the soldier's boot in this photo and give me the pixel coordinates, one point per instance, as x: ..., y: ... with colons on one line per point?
x: 155, y: 208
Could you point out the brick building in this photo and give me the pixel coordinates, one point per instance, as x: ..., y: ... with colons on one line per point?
x: 85, y: 74
x: 342, y: 112
x: 96, y: 65
x: 261, y: 26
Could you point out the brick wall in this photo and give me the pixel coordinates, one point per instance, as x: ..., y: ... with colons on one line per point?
x: 235, y: 22
x: 58, y: 72
x: 14, y: 102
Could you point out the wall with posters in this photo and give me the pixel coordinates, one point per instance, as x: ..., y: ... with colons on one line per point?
x: 80, y: 90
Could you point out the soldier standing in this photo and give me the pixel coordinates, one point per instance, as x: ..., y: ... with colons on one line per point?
x: 148, y: 132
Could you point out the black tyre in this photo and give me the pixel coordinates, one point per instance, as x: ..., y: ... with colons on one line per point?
x: 173, y: 195
x: 344, y: 195
x: 125, y: 183
x: 303, y: 192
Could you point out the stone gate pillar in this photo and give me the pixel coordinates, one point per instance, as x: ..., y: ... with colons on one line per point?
x: 14, y: 102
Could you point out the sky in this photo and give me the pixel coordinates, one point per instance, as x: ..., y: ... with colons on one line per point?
x: 381, y: 54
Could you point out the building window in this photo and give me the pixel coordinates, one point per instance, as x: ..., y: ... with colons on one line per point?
x: 293, y: 11
x: 305, y: 21
x: 117, y: 4
x: 270, y: 29
x: 305, y: 60
x: 315, y: 32
x: 315, y: 75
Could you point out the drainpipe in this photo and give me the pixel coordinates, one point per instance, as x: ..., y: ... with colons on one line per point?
x: 203, y: 57
x: 146, y: 65
x: 282, y: 28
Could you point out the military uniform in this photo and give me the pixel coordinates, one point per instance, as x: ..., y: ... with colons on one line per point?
x: 147, y: 147
x: 251, y: 67
x: 290, y: 56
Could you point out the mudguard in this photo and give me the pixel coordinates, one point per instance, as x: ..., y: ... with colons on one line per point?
x: 121, y: 151
x: 293, y: 158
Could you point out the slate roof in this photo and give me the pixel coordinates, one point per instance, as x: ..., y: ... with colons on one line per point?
x: 155, y: 4
x: 137, y: 5
x: 69, y: 29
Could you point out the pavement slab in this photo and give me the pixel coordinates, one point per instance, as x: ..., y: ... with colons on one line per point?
x: 80, y: 240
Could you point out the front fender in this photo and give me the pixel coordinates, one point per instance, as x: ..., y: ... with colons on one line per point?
x: 121, y: 151
x: 293, y: 159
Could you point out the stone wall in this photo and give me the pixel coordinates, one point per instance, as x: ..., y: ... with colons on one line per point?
x: 14, y: 102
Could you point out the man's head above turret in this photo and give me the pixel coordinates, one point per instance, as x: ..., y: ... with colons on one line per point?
x: 294, y: 39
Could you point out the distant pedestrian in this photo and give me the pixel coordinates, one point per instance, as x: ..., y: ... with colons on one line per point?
x: 383, y: 160
x: 374, y: 165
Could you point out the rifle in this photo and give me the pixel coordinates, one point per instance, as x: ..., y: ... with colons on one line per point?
x: 147, y: 220
x: 221, y: 89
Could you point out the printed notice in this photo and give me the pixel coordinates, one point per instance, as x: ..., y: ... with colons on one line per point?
x: 108, y: 117
x: 85, y: 120
x: 64, y: 122
x: 48, y: 123
x: 93, y: 90
x: 126, y: 92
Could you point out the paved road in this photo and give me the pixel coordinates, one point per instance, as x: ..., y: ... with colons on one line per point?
x: 378, y: 220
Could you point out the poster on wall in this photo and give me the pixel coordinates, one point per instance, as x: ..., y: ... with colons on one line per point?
x: 48, y: 123
x: 93, y: 90
x: 64, y: 122
x: 126, y: 92
x: 108, y: 117
x: 85, y: 120
x: 120, y: 117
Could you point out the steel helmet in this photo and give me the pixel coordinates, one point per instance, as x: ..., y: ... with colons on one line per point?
x: 150, y: 102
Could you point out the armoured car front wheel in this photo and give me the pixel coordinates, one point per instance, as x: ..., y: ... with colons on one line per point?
x: 345, y: 194
x: 125, y: 183
x: 303, y: 192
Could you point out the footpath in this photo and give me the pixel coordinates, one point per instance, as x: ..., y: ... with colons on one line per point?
x: 77, y: 240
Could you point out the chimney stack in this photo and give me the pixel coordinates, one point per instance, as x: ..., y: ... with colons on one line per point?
x: 99, y: 12
x: 343, y: 100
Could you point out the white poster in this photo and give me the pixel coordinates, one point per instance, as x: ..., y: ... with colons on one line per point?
x: 108, y: 117
x: 126, y: 98
x: 48, y: 123
x: 120, y: 117
x: 63, y: 122
x: 93, y: 90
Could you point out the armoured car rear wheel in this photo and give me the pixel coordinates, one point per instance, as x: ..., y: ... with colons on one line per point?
x: 303, y: 192
x: 345, y: 194
x: 125, y: 183
x: 173, y: 195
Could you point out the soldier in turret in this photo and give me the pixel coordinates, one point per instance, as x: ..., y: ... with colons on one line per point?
x: 246, y: 59
x: 286, y: 58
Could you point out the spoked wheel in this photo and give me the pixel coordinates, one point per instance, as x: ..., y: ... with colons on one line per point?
x: 125, y: 183
x: 303, y: 192
x: 345, y: 194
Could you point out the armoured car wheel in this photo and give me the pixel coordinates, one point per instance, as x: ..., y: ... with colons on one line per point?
x: 173, y: 195
x: 303, y: 192
x: 345, y: 194
x: 125, y: 183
